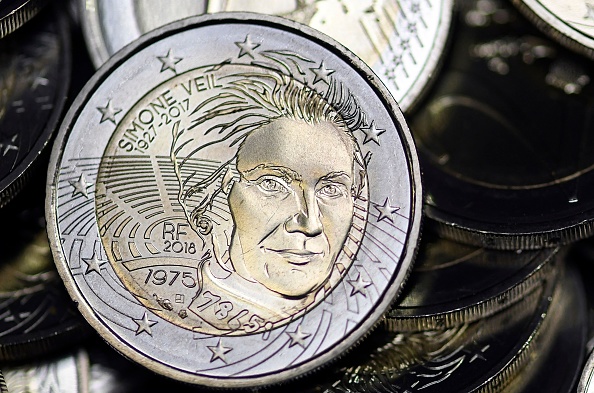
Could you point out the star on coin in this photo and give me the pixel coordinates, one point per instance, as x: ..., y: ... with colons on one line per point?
x: 321, y: 73
x: 169, y: 61
x: 219, y: 351
x: 298, y: 337
x: 108, y: 112
x: 8, y: 144
x: 590, y: 11
x: 80, y: 186
x: 247, y: 47
x: 93, y: 264
x: 386, y: 210
x: 359, y: 286
x: 372, y: 133
x: 144, y: 324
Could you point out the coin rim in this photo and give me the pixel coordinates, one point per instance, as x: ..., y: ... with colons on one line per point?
x: 550, y: 24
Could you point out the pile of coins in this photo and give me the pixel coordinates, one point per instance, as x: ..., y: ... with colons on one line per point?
x: 230, y: 194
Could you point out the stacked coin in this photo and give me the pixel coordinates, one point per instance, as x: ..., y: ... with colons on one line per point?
x: 233, y: 200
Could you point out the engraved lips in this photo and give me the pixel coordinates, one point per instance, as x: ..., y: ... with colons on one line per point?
x: 295, y: 256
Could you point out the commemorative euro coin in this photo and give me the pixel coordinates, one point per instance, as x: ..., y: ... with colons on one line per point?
x: 234, y: 200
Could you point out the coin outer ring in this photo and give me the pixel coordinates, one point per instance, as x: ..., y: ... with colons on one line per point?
x: 384, y: 300
x: 555, y: 27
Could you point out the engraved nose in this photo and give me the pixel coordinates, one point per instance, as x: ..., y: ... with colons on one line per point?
x: 307, y: 220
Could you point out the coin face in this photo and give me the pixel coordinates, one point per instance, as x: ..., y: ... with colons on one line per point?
x: 569, y: 22
x: 402, y: 41
x: 249, y: 209
x: 34, y: 75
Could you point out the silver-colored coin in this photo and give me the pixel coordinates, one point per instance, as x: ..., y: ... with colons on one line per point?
x: 236, y: 215
x: 65, y: 374
x: 570, y: 22
x: 482, y: 356
x: 401, y: 40
x: 109, y: 25
x: 453, y: 283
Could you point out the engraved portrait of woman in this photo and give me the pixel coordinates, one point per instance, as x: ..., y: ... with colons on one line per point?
x: 282, y: 205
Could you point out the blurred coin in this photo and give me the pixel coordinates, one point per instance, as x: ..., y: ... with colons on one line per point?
x: 64, y: 374
x: 34, y: 75
x: 14, y: 13
x: 557, y: 361
x: 570, y: 22
x: 239, y: 215
x: 36, y: 314
x: 452, y: 283
x: 109, y: 25
x: 403, y: 41
x: 505, y: 138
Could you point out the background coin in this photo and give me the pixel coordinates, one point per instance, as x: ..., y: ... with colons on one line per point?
x: 453, y: 283
x: 13, y: 14
x: 571, y: 23
x: 65, y: 374
x: 558, y: 359
x: 402, y: 41
x: 504, y: 138
x: 34, y: 74
x: 37, y: 316
x: 110, y: 25
x: 149, y: 243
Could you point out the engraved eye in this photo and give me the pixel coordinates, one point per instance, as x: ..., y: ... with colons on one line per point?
x: 272, y: 186
x: 331, y: 191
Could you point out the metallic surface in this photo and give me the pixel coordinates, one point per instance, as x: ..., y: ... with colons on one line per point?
x: 586, y: 384
x: 558, y: 359
x: 34, y: 79
x: 36, y: 313
x: 150, y: 205
x: 15, y: 13
x: 64, y: 374
x: 482, y: 356
x: 453, y: 283
x: 109, y: 25
x: 401, y: 40
x: 500, y: 166
x: 571, y: 22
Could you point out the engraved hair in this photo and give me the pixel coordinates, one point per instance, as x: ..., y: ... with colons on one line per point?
x: 245, y: 104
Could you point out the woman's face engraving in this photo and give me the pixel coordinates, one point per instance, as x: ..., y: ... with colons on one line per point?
x: 292, y: 207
